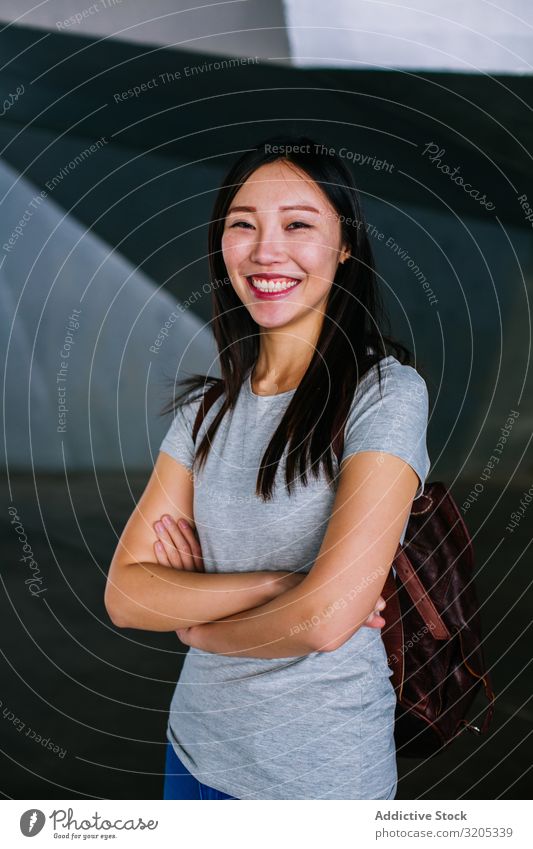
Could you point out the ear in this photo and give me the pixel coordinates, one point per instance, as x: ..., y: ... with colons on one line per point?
x: 345, y: 252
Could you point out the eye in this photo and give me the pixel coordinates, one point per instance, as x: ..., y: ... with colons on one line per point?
x: 297, y: 224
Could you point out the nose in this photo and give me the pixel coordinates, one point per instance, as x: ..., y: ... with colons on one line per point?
x: 268, y: 246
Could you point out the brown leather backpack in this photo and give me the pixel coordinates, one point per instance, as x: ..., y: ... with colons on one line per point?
x: 433, y: 633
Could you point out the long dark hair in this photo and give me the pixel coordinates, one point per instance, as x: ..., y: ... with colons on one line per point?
x: 350, y: 342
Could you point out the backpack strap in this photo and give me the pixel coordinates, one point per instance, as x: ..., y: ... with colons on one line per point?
x: 418, y: 595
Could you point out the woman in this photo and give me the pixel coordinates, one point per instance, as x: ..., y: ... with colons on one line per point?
x: 283, y: 694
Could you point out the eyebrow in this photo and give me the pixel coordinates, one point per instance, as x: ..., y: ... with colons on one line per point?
x: 302, y: 207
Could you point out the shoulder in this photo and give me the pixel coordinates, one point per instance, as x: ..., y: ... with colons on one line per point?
x: 395, y: 371
x: 190, y: 404
x: 399, y: 383
x: 392, y: 419
x: 396, y: 411
x: 178, y: 440
x: 188, y: 408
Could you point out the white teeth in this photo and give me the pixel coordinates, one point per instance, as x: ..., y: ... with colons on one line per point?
x: 273, y: 286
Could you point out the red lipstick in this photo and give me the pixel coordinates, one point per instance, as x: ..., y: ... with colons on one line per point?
x: 272, y: 296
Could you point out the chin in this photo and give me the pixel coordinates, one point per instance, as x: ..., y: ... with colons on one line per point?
x: 267, y: 316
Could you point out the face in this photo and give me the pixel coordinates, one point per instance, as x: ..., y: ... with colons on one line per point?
x: 281, y: 245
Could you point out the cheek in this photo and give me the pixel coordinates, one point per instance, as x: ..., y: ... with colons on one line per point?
x: 318, y: 259
x: 234, y: 249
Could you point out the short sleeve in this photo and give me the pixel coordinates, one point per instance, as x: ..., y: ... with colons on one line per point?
x: 178, y: 441
x: 393, y: 420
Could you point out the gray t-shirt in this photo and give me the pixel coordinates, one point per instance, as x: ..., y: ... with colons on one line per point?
x: 318, y: 726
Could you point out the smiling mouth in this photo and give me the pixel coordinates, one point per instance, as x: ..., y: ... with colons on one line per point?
x: 268, y: 287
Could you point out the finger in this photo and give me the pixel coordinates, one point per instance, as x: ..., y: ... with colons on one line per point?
x: 171, y: 549
x: 181, y: 542
x: 375, y: 621
x: 186, y: 541
x: 160, y: 553
x: 376, y: 612
x: 197, y: 550
x: 379, y: 607
x: 189, y: 532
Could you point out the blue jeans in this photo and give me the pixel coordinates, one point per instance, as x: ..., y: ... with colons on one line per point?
x: 180, y: 784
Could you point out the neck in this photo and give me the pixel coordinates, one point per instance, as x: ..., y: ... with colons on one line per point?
x: 284, y: 356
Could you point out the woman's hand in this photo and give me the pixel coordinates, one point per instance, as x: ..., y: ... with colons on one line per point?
x: 179, y: 548
x: 375, y: 620
x: 178, y: 545
x: 185, y: 635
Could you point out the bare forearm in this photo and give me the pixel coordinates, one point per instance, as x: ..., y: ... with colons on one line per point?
x: 283, y: 627
x: 152, y: 597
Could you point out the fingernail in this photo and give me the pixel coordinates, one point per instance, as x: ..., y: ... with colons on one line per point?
x: 159, y: 527
x: 182, y: 523
x: 167, y: 520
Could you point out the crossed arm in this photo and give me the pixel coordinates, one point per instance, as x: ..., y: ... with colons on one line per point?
x: 276, y: 614
x: 147, y: 595
x: 343, y: 588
